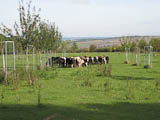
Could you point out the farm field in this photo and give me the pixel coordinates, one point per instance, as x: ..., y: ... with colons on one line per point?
x: 87, y: 93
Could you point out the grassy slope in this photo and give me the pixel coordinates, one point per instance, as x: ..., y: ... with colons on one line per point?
x: 132, y: 93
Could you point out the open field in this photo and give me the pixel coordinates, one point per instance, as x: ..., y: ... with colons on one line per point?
x: 88, y: 93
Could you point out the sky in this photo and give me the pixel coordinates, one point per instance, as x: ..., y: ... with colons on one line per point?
x: 93, y: 18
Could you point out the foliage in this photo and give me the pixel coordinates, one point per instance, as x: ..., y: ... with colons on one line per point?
x: 128, y: 42
x: 31, y: 30
x: 26, y: 29
x: 125, y: 42
x: 133, y: 45
x: 105, y: 49
x: 65, y: 46
x: 155, y: 43
x: 142, y: 43
x: 2, y: 77
x: 74, y: 47
x: 2, y: 38
x: 82, y: 50
x: 49, y: 37
x: 92, y: 48
x: 118, y: 49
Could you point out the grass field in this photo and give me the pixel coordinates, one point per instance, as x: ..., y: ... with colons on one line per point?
x: 131, y: 93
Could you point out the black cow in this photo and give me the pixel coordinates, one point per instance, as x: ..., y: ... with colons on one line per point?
x: 69, y: 62
x: 62, y: 61
x: 100, y: 59
x: 55, y: 61
x: 107, y: 59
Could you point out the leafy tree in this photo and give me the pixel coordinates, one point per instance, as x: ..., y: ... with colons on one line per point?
x: 125, y: 42
x: 7, y: 35
x: 58, y: 39
x: 155, y: 43
x: 142, y: 43
x: 92, y: 48
x: 2, y: 38
x: 49, y: 37
x: 133, y: 45
x: 74, y: 47
x: 26, y: 30
x: 31, y: 30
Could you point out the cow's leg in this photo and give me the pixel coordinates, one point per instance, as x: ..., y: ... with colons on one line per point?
x: 71, y: 65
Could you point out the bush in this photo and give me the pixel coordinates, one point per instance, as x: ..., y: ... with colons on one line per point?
x: 105, y: 49
x: 118, y: 49
x: 92, y: 48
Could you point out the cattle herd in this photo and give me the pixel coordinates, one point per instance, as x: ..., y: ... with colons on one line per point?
x: 76, y: 61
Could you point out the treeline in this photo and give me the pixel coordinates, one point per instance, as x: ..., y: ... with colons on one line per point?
x: 32, y: 30
x: 125, y: 42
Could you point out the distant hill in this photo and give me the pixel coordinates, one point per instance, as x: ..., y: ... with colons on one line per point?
x: 84, y: 38
x: 84, y: 42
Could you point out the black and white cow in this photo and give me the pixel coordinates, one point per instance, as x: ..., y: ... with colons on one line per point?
x: 76, y: 61
x: 62, y: 61
x: 53, y: 61
x: 101, y: 60
x: 96, y: 60
x: 86, y: 59
x: 91, y: 60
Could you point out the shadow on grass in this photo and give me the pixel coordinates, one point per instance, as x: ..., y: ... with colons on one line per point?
x: 117, y: 111
x: 154, y: 72
x: 130, y: 78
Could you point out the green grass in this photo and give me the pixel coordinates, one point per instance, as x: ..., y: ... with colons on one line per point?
x: 131, y: 93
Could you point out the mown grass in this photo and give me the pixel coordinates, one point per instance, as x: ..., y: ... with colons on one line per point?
x: 130, y: 93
